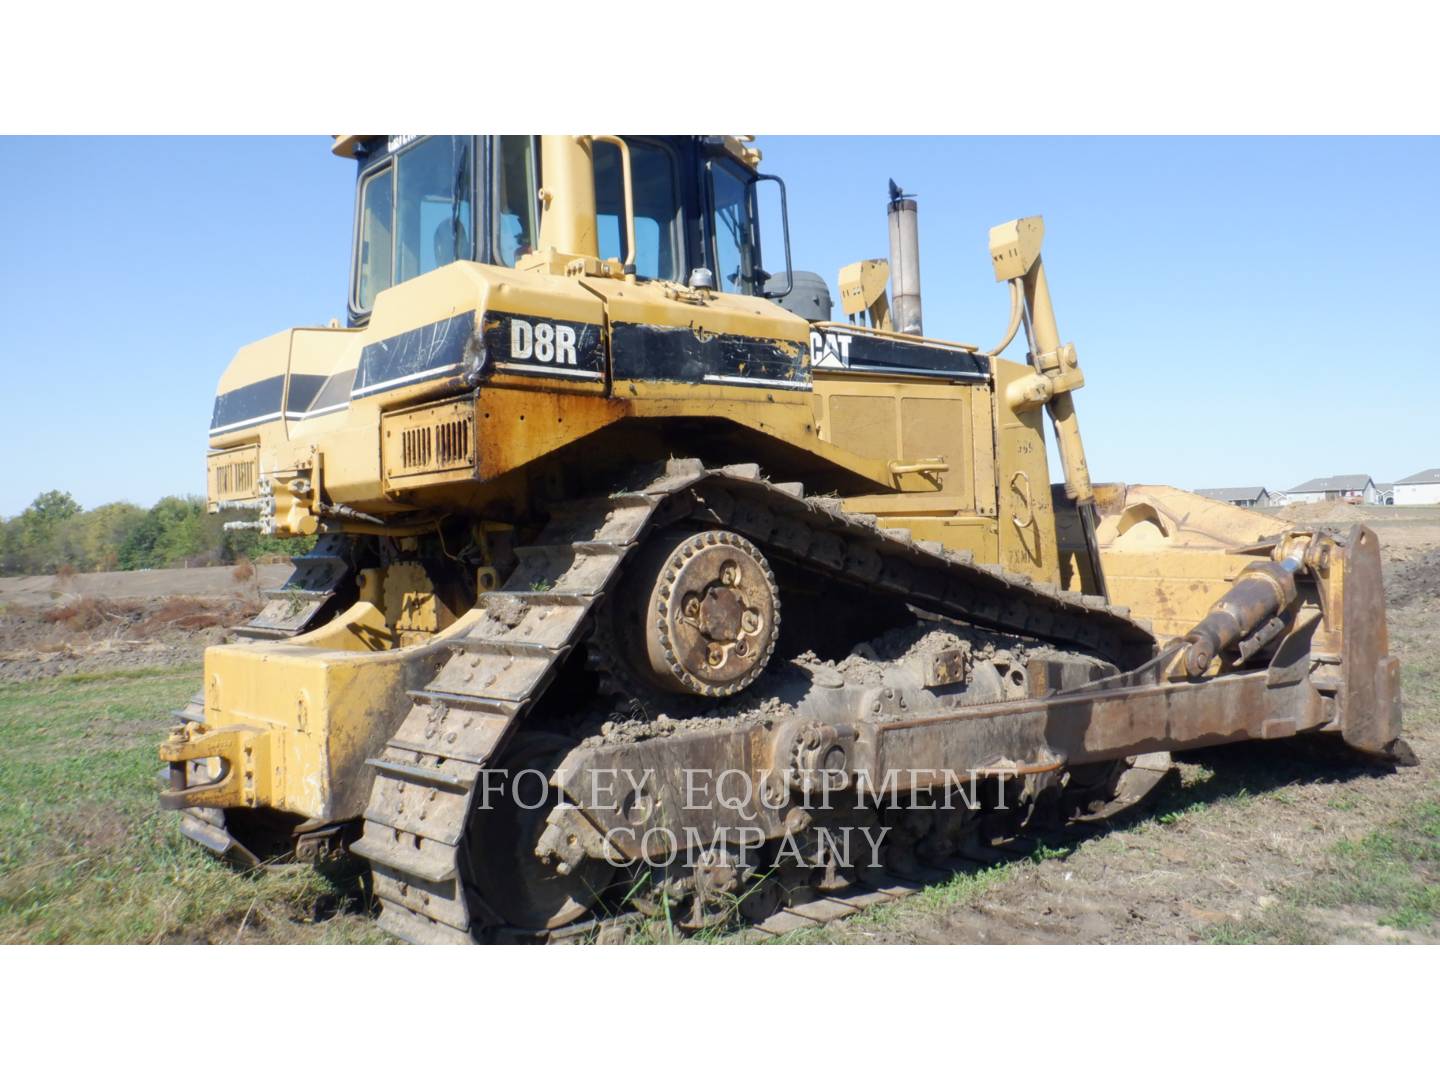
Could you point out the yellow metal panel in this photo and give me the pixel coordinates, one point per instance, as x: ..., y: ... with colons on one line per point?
x: 658, y: 303
x: 430, y: 444
x: 312, y: 715
x: 1170, y: 554
x: 983, y: 434
x: 972, y: 534
x: 1173, y: 588
x: 1026, y: 515
x: 939, y: 427
x: 864, y: 425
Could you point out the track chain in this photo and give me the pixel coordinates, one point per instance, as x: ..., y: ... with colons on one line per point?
x: 312, y: 584
x: 819, y: 908
x: 425, y: 788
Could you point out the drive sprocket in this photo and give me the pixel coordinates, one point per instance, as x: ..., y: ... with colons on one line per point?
x: 699, y: 615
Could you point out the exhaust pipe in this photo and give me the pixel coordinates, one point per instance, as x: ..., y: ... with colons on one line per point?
x: 905, y: 260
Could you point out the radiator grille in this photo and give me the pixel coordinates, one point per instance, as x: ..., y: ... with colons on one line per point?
x: 233, y: 475
x: 442, y: 445
x: 430, y: 445
x: 415, y: 452
x: 234, y: 479
x: 452, y: 443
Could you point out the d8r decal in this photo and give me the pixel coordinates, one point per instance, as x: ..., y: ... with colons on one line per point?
x: 552, y: 347
x: 547, y: 342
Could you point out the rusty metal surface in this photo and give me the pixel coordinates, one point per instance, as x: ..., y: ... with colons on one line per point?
x: 1370, y: 693
x: 1081, y: 727
x: 1014, y: 738
x: 713, y: 617
x: 1261, y: 592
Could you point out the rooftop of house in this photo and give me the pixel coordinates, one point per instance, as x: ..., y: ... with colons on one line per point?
x: 1424, y: 476
x: 1233, y: 494
x: 1343, y: 482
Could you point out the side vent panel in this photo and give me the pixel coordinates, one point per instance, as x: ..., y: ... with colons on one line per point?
x: 431, y: 444
x: 232, y: 475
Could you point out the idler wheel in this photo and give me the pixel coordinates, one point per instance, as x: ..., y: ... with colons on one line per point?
x: 712, y: 616
x: 503, y: 866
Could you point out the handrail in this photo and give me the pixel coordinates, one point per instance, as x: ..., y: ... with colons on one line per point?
x: 616, y: 141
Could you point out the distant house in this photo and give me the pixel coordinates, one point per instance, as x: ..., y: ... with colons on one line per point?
x: 1238, y: 496
x: 1385, y: 494
x: 1348, y: 487
x: 1422, y: 489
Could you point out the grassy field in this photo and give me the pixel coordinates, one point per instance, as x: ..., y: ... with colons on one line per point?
x: 86, y: 855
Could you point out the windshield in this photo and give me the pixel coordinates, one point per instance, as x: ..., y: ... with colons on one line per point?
x: 415, y: 215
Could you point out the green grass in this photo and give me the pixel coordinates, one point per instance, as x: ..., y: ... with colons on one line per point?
x: 1286, y: 924
x: 86, y: 855
x: 1390, y: 876
x: 1395, y: 870
x: 960, y: 890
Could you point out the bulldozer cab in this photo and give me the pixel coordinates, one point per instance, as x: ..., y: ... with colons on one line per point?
x: 424, y: 202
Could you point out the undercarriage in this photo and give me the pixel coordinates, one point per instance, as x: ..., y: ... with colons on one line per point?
x: 710, y: 698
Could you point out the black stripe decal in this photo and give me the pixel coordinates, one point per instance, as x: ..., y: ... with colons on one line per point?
x: 254, y: 403
x: 335, y: 392
x: 303, y: 389
x: 646, y: 352
x: 856, y: 350
x: 435, y: 351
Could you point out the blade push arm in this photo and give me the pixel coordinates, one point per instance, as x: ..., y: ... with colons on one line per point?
x: 1015, y: 252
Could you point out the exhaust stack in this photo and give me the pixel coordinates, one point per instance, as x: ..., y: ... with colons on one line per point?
x: 905, y: 260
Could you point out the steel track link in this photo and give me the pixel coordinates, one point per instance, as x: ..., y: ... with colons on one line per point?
x: 820, y: 908
x: 415, y: 834
x: 314, y: 580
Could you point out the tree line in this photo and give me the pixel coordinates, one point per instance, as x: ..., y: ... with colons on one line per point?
x: 54, y: 534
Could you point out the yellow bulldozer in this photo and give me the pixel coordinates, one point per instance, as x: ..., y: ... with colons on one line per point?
x: 637, y: 580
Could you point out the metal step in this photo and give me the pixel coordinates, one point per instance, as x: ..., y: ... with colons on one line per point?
x: 421, y: 773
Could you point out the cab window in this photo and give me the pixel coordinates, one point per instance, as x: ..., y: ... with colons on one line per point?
x: 658, y: 252
x: 432, y: 205
x: 377, y: 218
x: 735, y: 256
x: 415, y: 215
x: 515, y: 198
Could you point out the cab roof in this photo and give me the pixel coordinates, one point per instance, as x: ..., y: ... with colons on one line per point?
x: 740, y: 147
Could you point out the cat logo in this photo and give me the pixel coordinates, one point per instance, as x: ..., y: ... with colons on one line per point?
x: 546, y: 343
x: 829, y: 349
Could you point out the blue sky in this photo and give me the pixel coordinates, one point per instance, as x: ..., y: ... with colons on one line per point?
x: 1247, y: 311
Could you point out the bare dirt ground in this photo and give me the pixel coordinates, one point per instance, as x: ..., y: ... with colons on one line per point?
x: 213, y: 582
x: 100, y: 622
